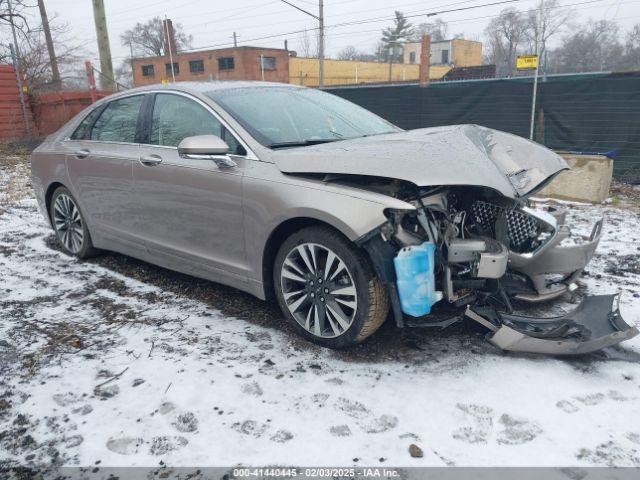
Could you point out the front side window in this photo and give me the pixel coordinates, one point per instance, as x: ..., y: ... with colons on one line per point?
x: 412, y: 57
x: 117, y: 122
x: 269, y: 63
x: 284, y: 116
x: 445, y: 56
x: 147, y: 71
x: 226, y: 63
x: 176, y: 117
x: 196, y: 66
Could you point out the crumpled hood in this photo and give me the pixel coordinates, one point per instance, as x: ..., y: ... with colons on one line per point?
x: 453, y: 155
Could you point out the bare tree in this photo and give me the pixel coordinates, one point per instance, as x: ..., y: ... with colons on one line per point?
x: 148, y: 38
x: 593, y: 47
x: 309, y: 44
x: 348, y: 53
x: 351, y: 53
x: 393, y: 37
x: 506, y: 34
x: 17, y: 14
x: 631, y: 57
x: 123, y: 74
x: 36, y: 64
x: 437, y: 30
x: 541, y: 28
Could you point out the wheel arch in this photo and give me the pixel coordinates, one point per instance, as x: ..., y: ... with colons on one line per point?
x: 48, y: 196
x: 278, y: 235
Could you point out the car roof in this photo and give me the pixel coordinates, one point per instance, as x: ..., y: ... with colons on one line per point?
x: 202, y: 87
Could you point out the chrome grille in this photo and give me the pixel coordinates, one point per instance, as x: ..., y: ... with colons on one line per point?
x: 521, y: 227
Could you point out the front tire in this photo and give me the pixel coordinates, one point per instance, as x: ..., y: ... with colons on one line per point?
x: 327, y: 289
x: 68, y: 223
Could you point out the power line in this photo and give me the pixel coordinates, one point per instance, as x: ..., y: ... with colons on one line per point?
x: 352, y: 12
x: 252, y: 6
x: 142, y: 7
x: 470, y: 19
x: 360, y: 22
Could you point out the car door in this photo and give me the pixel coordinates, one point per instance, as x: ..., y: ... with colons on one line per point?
x: 100, y: 156
x: 190, y: 210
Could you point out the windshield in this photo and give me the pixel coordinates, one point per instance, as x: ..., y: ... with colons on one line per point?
x: 286, y: 117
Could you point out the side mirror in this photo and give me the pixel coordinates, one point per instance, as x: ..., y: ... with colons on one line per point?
x: 206, y: 147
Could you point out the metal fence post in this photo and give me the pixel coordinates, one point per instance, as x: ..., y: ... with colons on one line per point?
x: 92, y: 81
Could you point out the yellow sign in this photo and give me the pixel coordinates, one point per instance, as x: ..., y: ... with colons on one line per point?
x: 165, y: 81
x: 527, y: 62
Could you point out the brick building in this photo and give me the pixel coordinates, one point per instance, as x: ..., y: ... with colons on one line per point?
x: 238, y: 63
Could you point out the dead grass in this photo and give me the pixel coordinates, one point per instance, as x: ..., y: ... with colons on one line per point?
x: 624, y: 195
x: 15, y: 175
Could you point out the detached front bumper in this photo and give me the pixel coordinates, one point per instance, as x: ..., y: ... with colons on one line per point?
x: 566, y: 262
x: 595, y: 324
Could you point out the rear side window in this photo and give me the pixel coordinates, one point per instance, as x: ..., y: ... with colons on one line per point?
x: 84, y: 129
x: 118, y: 121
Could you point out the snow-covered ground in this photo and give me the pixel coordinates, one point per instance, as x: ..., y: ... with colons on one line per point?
x: 126, y: 364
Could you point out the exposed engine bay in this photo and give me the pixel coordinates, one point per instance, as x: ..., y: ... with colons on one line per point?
x: 472, y: 249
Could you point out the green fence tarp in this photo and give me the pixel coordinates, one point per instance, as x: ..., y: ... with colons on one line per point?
x: 595, y: 113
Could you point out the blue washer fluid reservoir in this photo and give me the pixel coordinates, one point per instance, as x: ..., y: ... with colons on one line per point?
x: 416, y: 280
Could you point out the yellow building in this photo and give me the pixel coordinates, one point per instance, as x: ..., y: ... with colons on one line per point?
x: 453, y: 53
x: 304, y: 71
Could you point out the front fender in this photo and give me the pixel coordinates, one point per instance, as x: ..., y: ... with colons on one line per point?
x: 268, y: 204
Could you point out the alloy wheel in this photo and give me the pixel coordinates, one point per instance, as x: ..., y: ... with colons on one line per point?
x: 319, y: 290
x: 68, y: 223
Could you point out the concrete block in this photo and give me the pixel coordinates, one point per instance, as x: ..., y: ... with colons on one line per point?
x: 588, y: 180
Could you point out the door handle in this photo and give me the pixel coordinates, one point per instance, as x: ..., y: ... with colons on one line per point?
x: 151, y: 160
x: 83, y: 153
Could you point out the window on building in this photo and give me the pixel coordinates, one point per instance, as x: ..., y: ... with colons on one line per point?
x: 147, y: 71
x: 176, y: 68
x: 445, y: 56
x: 196, y: 66
x: 226, y: 63
x: 412, y: 57
x: 269, y: 63
x: 118, y: 121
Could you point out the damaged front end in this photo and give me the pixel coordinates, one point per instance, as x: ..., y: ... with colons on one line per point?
x: 475, y: 252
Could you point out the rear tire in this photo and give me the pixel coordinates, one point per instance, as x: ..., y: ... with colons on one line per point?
x: 69, y: 224
x: 327, y: 289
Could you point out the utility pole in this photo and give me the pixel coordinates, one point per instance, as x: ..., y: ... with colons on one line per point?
x: 170, y: 47
x: 55, y: 73
x: 106, y: 65
x: 425, y: 60
x: 535, y: 78
x: 131, y: 58
x: 320, y: 18
x: 321, y: 44
x: 15, y: 35
x: 391, y: 51
x: 235, y: 40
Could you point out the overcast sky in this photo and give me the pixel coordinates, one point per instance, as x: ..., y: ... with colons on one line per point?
x: 212, y: 23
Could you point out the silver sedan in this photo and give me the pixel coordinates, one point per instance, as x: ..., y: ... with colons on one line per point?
x: 295, y: 194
